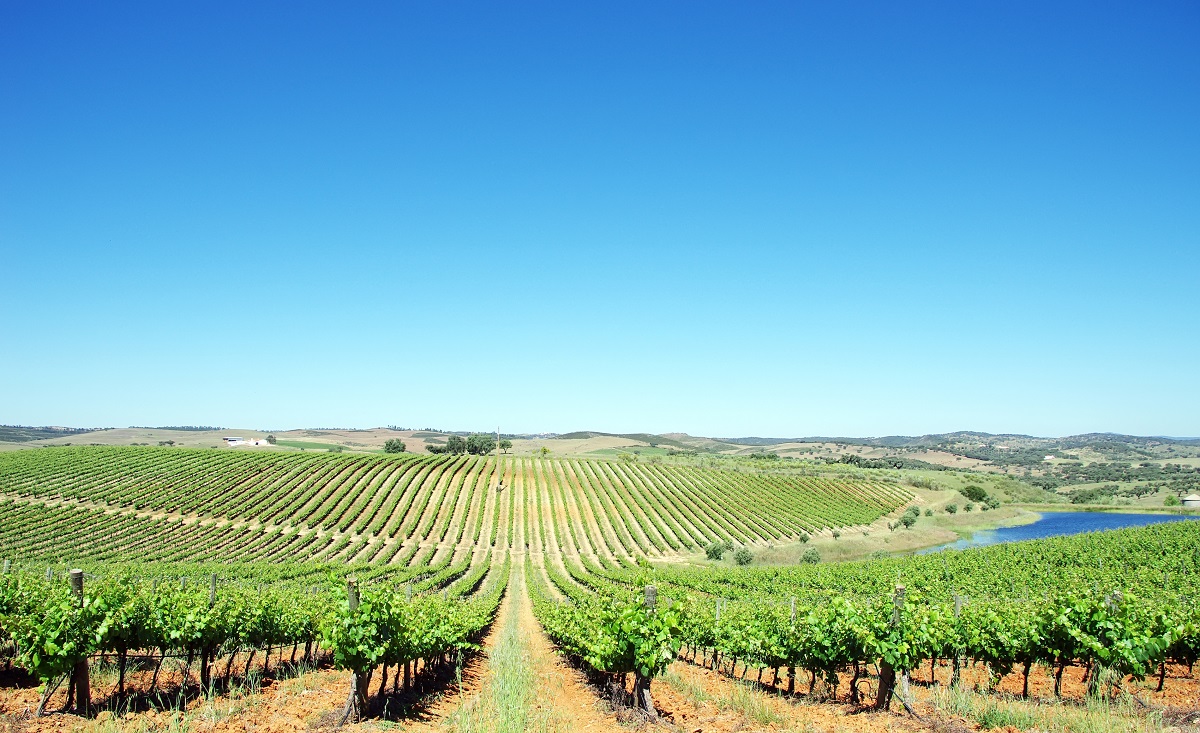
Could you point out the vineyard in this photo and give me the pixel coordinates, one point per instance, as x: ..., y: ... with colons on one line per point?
x: 373, y: 565
x: 383, y: 514
x: 1121, y: 604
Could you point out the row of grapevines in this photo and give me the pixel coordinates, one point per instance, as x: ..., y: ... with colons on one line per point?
x: 52, y: 628
x: 615, y: 634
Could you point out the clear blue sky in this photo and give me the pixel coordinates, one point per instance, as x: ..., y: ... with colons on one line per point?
x: 720, y: 218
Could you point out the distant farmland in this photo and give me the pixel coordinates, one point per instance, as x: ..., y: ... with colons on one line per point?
x: 171, y: 504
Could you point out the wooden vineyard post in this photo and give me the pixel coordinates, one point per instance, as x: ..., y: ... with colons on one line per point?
x: 955, y: 669
x: 206, y: 653
x: 792, y: 669
x: 409, y: 665
x: 905, y: 693
x: 356, y: 704
x: 717, y: 617
x: 641, y: 685
x: 887, y: 675
x: 79, y: 677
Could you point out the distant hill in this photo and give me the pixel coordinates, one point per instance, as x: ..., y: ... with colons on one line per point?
x: 964, y: 436
x: 648, y: 438
x: 24, y: 433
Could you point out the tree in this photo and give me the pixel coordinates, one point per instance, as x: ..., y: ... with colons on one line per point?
x: 543, y: 451
x: 908, y: 521
x: 973, y: 492
x: 394, y: 445
x: 805, y: 537
x: 715, y: 551
x: 811, y: 556
x: 1171, y: 500
x: 743, y: 556
x: 505, y: 445
x: 952, y: 508
x: 480, y: 444
x: 271, y: 439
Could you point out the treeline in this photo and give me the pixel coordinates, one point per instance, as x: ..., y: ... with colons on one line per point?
x: 892, y: 462
x: 1173, y: 476
x: 478, y: 444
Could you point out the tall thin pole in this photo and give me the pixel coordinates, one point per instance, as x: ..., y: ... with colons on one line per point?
x: 83, y: 690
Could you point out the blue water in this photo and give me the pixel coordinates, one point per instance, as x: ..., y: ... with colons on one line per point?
x: 1053, y: 524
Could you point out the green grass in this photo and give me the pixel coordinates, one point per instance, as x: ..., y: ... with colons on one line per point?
x: 641, y: 452
x: 1096, y: 715
x: 311, y: 445
x: 508, y: 703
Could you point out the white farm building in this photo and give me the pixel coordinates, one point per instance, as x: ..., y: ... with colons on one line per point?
x: 234, y: 441
x: 1192, y: 501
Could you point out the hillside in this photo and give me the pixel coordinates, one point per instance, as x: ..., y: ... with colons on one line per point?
x: 176, y: 504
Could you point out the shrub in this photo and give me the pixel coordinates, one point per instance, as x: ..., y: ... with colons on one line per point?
x: 394, y: 445
x: 743, y: 556
x: 973, y: 492
x: 715, y: 551
x: 837, y: 533
x: 952, y: 508
x: 968, y: 507
x: 880, y: 555
x: 811, y: 556
x: 1171, y: 500
x: 728, y: 545
x: 804, y: 537
x: 929, y: 512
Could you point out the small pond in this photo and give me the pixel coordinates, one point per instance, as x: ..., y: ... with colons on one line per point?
x: 1053, y: 524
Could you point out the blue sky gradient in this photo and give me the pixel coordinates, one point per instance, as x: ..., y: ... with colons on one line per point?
x: 725, y: 219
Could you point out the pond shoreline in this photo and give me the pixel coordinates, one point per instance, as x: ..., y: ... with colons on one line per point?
x: 1109, y: 509
x: 1055, y: 524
